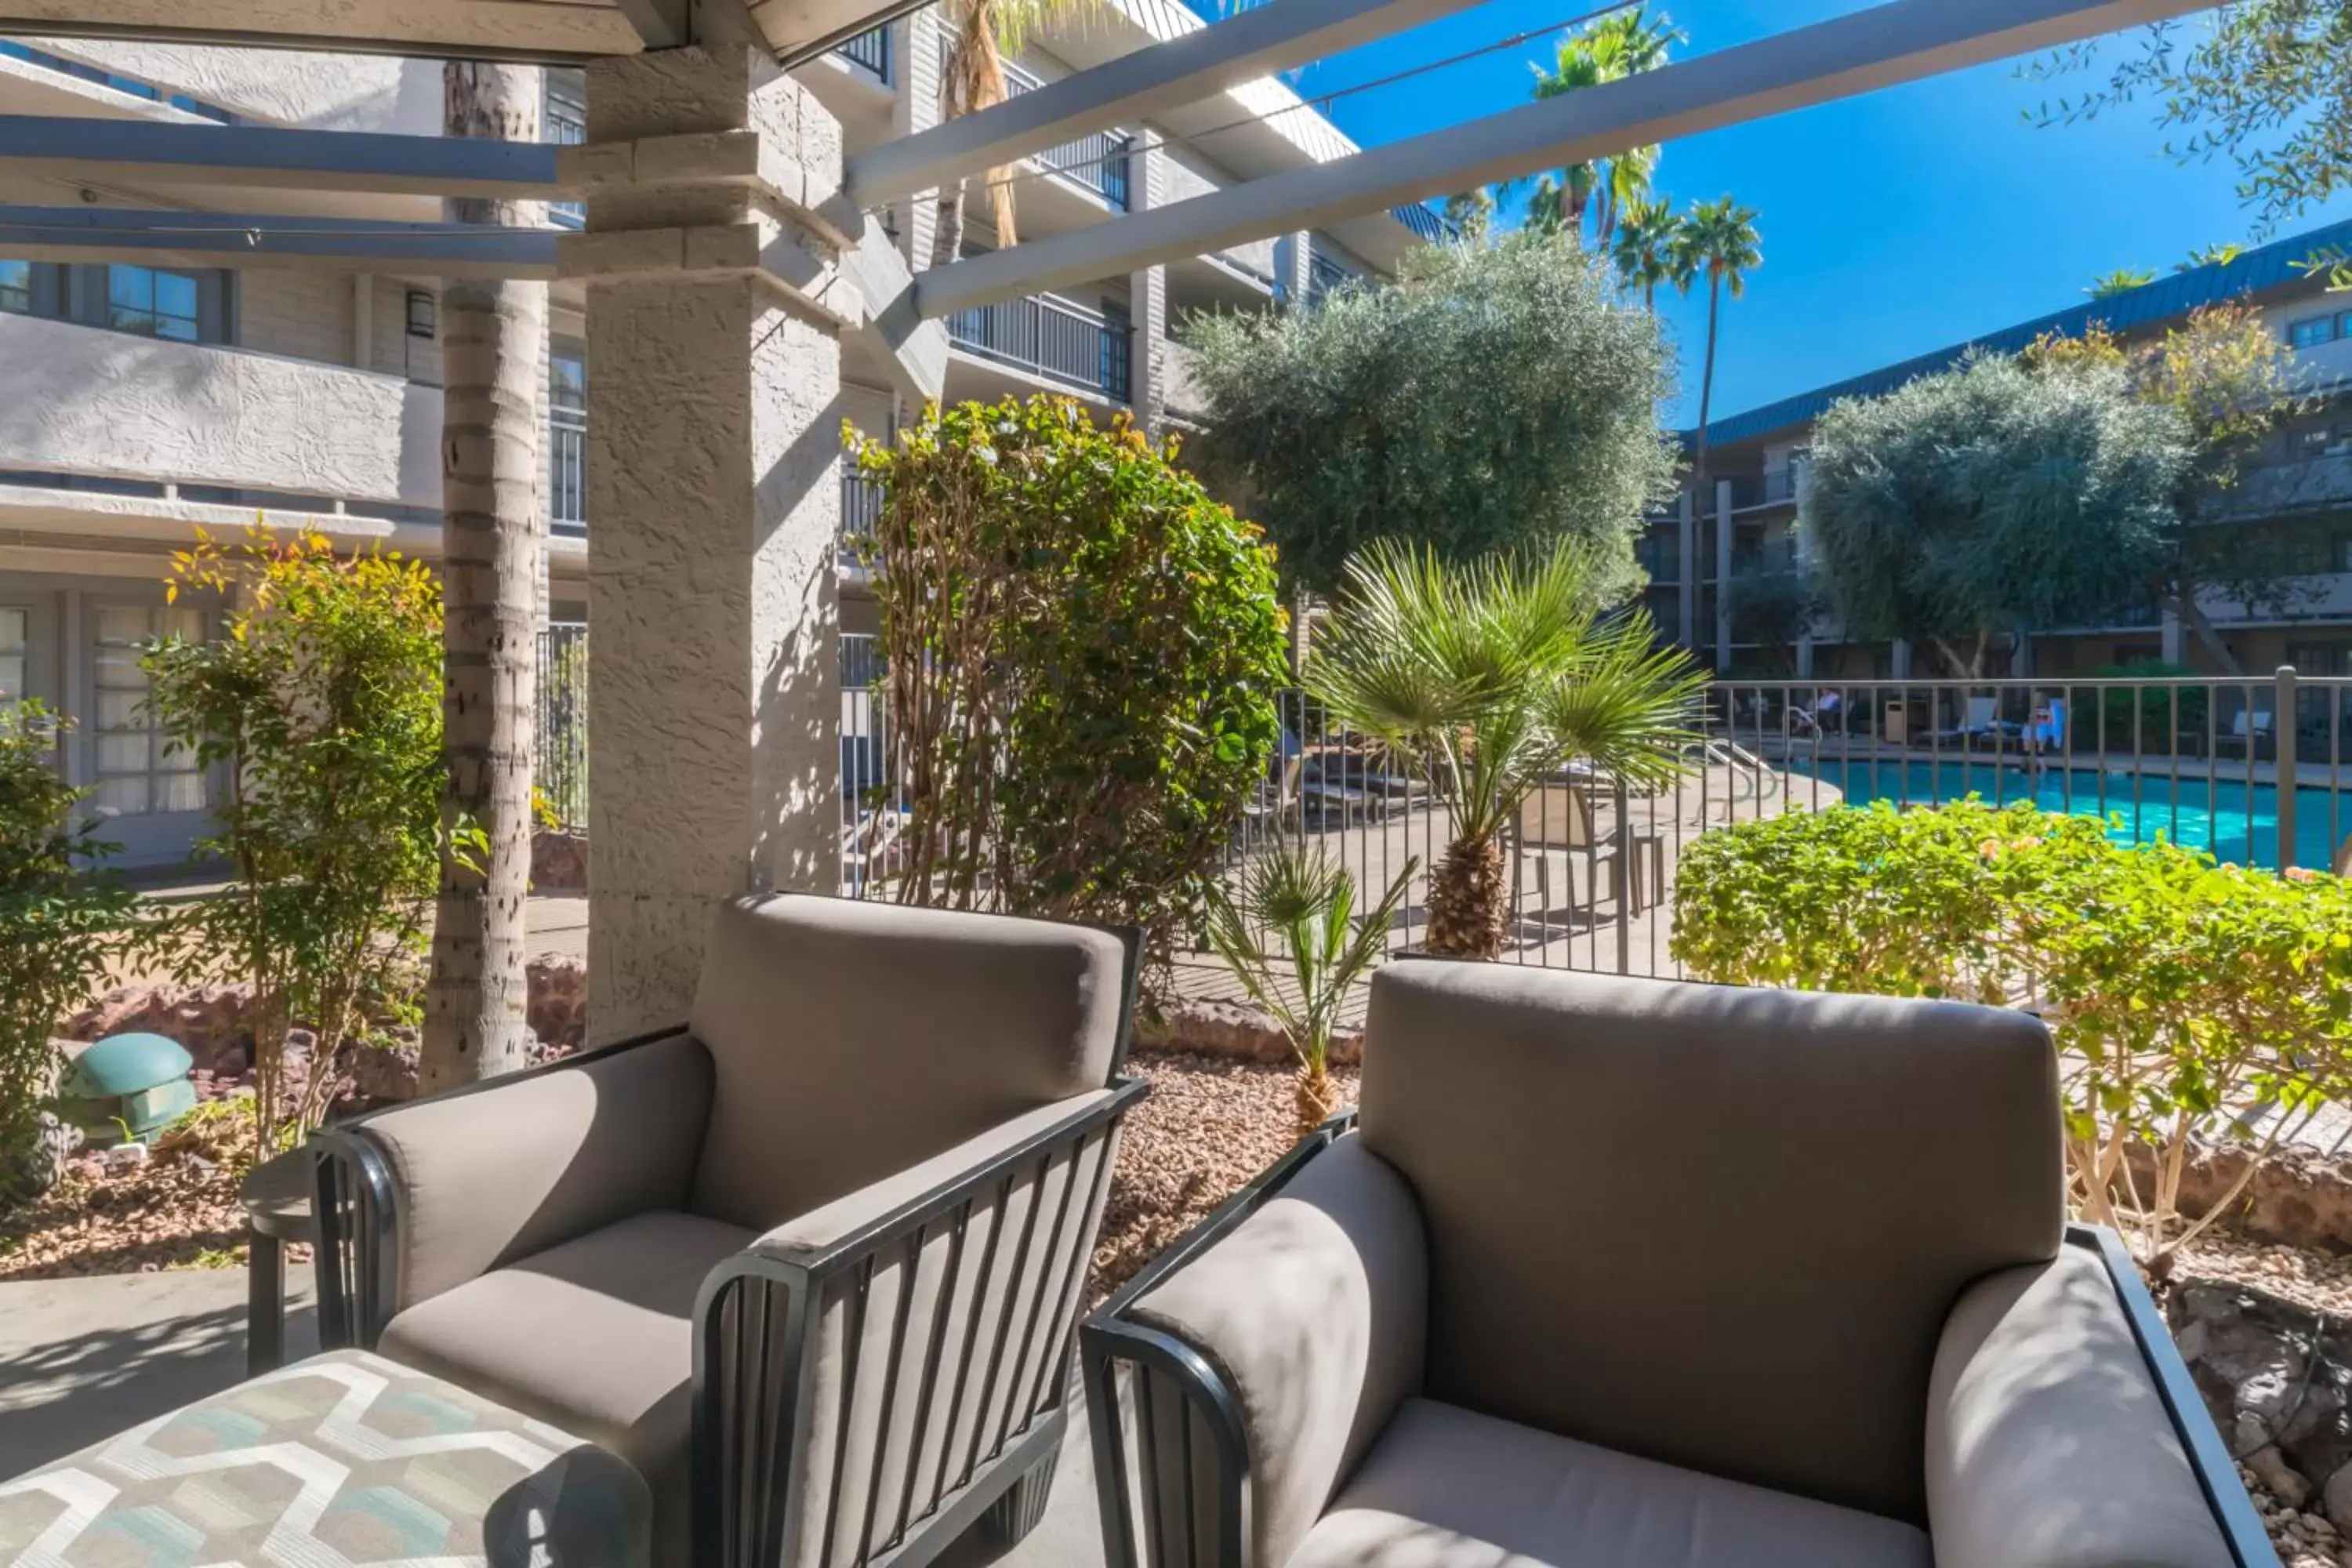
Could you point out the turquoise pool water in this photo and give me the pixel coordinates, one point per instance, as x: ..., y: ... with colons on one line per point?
x: 2220, y: 815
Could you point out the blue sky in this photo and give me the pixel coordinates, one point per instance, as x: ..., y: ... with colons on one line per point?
x: 1892, y: 224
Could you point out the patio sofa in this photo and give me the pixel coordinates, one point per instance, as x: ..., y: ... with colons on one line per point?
x: 1652, y: 1274
x: 810, y: 1261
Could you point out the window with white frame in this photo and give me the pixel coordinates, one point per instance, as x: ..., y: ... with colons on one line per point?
x: 137, y: 773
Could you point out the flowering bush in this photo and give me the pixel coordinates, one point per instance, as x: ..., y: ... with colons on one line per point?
x: 2185, y: 996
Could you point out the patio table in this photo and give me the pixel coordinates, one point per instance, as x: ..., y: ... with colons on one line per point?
x: 276, y: 1195
x: 344, y: 1459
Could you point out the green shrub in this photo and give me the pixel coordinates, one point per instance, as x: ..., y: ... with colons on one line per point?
x: 1083, y: 651
x: 2187, y: 997
x: 321, y: 702
x: 62, y: 915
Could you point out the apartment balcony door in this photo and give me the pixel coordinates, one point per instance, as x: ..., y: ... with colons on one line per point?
x: 28, y: 648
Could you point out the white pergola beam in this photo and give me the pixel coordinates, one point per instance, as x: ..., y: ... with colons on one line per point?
x: 236, y: 239
x: 139, y: 151
x: 548, y: 32
x: 1250, y: 44
x: 1883, y: 46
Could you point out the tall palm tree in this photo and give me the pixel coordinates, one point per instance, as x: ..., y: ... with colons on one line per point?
x: 494, y: 533
x: 1610, y: 49
x: 982, y: 35
x: 1645, y: 246
x: 1717, y: 242
x: 1491, y: 676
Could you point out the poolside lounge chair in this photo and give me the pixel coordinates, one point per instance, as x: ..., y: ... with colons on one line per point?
x: 839, y: 1219
x: 1982, y: 726
x: 1558, y: 816
x: 1654, y: 1275
x: 2250, y: 735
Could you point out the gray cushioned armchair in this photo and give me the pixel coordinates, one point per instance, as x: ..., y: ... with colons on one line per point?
x: 1632, y: 1274
x: 810, y: 1261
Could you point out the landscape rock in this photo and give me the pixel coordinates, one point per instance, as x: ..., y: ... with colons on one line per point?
x: 558, y: 1000
x: 2275, y: 1376
x: 1234, y: 1032
x: 559, y: 861
x: 207, y: 1020
x: 2301, y: 1197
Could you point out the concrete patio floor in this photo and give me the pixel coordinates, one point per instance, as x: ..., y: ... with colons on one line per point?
x: 82, y: 1359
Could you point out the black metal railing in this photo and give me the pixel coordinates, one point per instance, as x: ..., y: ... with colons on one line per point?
x: 1056, y: 338
x: 870, y: 51
x: 561, y: 781
x: 1100, y: 159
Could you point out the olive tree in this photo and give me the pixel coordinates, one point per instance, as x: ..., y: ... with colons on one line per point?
x: 1993, y: 499
x: 1497, y: 397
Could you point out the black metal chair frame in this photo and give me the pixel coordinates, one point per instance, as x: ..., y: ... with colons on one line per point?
x: 1007, y: 1470
x: 1208, y: 1407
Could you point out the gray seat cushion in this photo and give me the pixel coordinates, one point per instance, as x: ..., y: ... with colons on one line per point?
x: 1447, y: 1488
x: 1715, y: 1227
x: 595, y: 1336
x: 851, y: 1040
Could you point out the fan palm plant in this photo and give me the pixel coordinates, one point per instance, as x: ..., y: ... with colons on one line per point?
x: 1307, y: 901
x: 1492, y: 676
x: 982, y: 35
x: 1644, y: 249
x: 1610, y: 49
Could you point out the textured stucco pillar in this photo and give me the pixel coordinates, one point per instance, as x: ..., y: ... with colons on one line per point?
x: 714, y: 690
x: 1147, y: 298
x: 1722, y: 574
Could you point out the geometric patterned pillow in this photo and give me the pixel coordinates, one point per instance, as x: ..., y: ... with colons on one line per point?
x: 342, y: 1461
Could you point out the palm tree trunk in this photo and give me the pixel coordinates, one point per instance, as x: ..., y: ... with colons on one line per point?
x: 1316, y: 1099
x: 1468, y: 900
x: 494, y: 356
x: 947, y: 231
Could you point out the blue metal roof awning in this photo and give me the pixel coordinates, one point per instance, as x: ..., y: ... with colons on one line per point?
x: 2269, y: 266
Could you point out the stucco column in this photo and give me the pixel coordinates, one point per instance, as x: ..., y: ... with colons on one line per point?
x: 1722, y: 574
x: 714, y: 300
x: 2173, y: 648
x: 1147, y: 298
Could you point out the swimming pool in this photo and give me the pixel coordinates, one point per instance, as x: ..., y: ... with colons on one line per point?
x: 2215, y: 814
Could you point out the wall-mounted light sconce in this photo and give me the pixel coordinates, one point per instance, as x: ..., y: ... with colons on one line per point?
x: 424, y: 313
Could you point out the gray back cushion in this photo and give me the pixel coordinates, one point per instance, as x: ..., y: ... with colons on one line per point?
x: 1715, y: 1227
x: 850, y: 1040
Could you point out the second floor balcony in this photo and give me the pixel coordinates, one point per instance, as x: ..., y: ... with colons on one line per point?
x: 1054, y: 339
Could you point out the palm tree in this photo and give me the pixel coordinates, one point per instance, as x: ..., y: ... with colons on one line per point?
x: 982, y: 35
x: 1644, y: 248
x: 1471, y: 212
x: 1491, y: 676
x: 1309, y: 901
x: 494, y: 365
x: 1716, y: 241
x: 1611, y: 49
x: 2121, y: 281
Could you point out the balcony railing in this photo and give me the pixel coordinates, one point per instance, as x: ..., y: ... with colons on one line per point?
x: 1098, y: 160
x: 1775, y: 487
x: 1052, y: 337
x: 861, y: 509
x: 870, y: 51
x: 567, y: 463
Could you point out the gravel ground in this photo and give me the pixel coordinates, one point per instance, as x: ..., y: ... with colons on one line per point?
x: 1207, y: 1126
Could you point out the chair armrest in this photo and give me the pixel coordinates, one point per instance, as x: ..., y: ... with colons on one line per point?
x: 905, y: 1344
x: 421, y: 1197
x: 1289, y: 1333
x: 2063, y: 1431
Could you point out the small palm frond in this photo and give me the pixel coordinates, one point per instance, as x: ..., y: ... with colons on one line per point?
x: 1626, y: 703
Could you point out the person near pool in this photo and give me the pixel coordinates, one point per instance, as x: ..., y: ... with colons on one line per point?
x: 2048, y: 730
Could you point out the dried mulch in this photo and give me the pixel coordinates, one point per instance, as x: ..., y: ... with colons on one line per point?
x: 177, y: 1209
